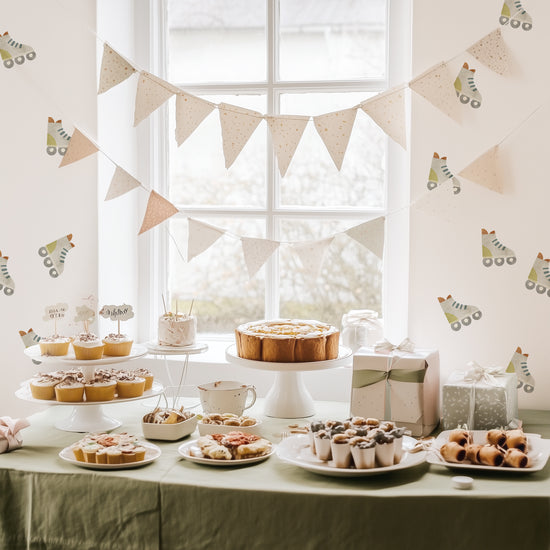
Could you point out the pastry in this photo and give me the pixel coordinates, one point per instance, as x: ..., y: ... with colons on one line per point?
x: 54, y: 345
x: 363, y: 452
x: 496, y: 437
x: 101, y: 388
x: 177, y: 329
x: 516, y: 439
x: 490, y: 455
x: 462, y: 437
x: 210, y: 448
x: 147, y: 374
x: 117, y: 345
x: 129, y: 385
x: 472, y: 453
x: 321, y: 440
x: 453, y: 452
x: 105, y: 448
x: 341, y: 451
x: 87, y: 346
x: 69, y: 389
x: 384, y: 449
x: 516, y: 459
x: 287, y: 341
x: 43, y: 386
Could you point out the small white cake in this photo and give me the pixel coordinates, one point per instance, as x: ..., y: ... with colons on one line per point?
x: 177, y: 330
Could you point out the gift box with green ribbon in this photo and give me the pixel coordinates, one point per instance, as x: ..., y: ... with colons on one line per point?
x: 397, y: 383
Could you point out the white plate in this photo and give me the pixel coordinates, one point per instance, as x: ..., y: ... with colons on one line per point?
x: 538, y: 451
x: 34, y: 353
x: 152, y: 452
x: 296, y: 450
x: 191, y: 451
x: 209, y: 429
x: 155, y: 348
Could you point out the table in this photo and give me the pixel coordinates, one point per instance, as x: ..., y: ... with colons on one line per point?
x: 173, y: 504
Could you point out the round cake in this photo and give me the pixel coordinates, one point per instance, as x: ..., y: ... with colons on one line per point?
x: 287, y: 341
x: 177, y: 330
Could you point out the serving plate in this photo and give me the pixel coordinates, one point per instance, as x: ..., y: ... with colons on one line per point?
x: 34, y: 353
x: 296, y: 450
x: 152, y: 452
x: 191, y: 451
x: 159, y: 349
x: 538, y: 451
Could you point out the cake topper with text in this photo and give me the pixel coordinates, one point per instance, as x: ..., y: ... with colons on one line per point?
x: 55, y: 312
x: 117, y: 313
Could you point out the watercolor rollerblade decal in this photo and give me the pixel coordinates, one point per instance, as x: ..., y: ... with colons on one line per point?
x: 12, y: 51
x: 493, y: 251
x: 458, y: 314
x: 440, y: 173
x: 518, y: 364
x: 55, y: 253
x: 465, y: 87
x: 514, y: 13
x: 6, y: 282
x: 57, y: 140
x: 539, y: 277
x: 30, y: 338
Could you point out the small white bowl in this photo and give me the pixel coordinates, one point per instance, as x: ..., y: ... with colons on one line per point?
x: 169, y: 432
x: 209, y: 429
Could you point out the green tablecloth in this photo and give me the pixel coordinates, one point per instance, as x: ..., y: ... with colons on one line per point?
x: 172, y: 503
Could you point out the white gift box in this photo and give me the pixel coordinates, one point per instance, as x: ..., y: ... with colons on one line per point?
x: 398, y: 386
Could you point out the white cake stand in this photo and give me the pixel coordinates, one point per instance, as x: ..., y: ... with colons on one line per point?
x: 288, y: 397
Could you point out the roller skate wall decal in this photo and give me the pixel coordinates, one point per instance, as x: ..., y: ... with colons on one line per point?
x: 458, y: 314
x: 6, y: 282
x: 514, y: 13
x: 57, y: 139
x: 30, y: 338
x: 518, y: 364
x: 440, y: 173
x: 12, y: 51
x: 493, y: 251
x: 465, y: 87
x: 539, y: 277
x: 55, y: 254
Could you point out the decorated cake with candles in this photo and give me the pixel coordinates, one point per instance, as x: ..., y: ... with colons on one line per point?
x: 177, y: 329
x: 117, y: 344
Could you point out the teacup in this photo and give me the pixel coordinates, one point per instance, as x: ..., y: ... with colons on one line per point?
x: 226, y: 396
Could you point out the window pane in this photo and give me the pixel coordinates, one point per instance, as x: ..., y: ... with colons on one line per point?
x: 216, y: 40
x: 332, y: 39
x: 217, y: 279
x: 197, y: 169
x: 350, y: 277
x: 312, y: 178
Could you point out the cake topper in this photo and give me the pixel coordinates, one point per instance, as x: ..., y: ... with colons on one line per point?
x: 84, y: 314
x: 55, y: 312
x: 117, y: 313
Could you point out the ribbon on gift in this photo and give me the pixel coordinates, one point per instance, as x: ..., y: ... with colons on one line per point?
x: 10, y: 438
x: 385, y: 346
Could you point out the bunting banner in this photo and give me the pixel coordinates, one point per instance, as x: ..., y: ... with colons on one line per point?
x: 158, y: 209
x: 257, y: 252
x: 79, y: 147
x: 335, y: 130
x: 492, y: 51
x: 121, y: 183
x: 484, y: 170
x: 190, y: 112
x: 201, y: 236
x: 388, y: 111
x: 370, y: 234
x: 238, y: 125
x: 312, y: 255
x: 286, y: 133
x: 441, y: 198
x: 151, y: 93
x: 114, y: 69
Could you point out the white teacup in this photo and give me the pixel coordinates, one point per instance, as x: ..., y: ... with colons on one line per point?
x: 226, y: 396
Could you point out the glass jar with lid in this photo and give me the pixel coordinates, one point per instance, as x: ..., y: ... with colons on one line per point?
x: 361, y: 327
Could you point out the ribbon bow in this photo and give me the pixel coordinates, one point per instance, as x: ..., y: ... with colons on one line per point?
x: 10, y: 438
x: 386, y: 346
x: 477, y: 373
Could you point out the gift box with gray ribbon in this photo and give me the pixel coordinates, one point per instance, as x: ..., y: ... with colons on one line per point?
x: 398, y: 383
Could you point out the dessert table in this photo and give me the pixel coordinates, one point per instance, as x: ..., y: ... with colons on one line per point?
x: 173, y: 503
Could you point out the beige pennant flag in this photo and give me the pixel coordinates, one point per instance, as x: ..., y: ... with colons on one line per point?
x: 484, y: 170
x: 492, y: 51
x: 190, y: 112
x: 238, y: 125
x: 201, y: 236
x: 79, y: 147
x: 158, y: 209
x: 335, y: 131
x: 257, y: 252
x: 121, y: 183
x: 114, y: 69
x: 441, y: 202
x: 437, y: 86
x: 312, y: 254
x: 151, y: 93
x: 388, y: 111
x: 370, y: 234
x: 286, y: 133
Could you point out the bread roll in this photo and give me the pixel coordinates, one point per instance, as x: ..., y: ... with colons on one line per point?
x: 462, y: 437
x: 516, y: 439
x: 453, y: 452
x: 516, y: 459
x: 496, y: 437
x: 472, y: 453
x: 490, y: 456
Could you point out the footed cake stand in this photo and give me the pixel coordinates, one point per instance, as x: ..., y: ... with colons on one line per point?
x: 288, y: 397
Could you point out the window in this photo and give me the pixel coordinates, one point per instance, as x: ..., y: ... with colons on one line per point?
x: 302, y: 57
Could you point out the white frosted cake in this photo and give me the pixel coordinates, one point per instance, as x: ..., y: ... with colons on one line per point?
x: 177, y: 330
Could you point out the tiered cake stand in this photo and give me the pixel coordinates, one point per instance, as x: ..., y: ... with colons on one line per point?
x: 84, y: 416
x: 288, y: 397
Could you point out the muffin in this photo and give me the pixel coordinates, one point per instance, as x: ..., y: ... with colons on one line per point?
x: 118, y: 345
x: 101, y: 388
x: 87, y: 346
x: 129, y: 385
x: 43, y: 386
x: 54, y: 345
x: 147, y: 374
x: 69, y: 390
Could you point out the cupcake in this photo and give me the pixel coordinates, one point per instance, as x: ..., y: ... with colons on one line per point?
x: 114, y: 455
x: 147, y: 374
x: 90, y: 451
x: 384, y: 450
x: 129, y: 385
x: 322, y: 444
x: 397, y: 444
x: 43, y: 386
x: 314, y: 427
x: 341, y: 451
x: 54, y: 345
x: 363, y: 452
x: 101, y: 388
x: 87, y: 346
x: 69, y: 390
x: 118, y: 345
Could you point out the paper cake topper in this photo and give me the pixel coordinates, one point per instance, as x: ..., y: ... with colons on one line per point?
x: 117, y: 313
x: 458, y: 314
x: 518, y: 364
x: 55, y: 312
x: 513, y: 12
x: 55, y: 253
x: 6, y: 282
x: 539, y: 276
x: 465, y: 87
x: 12, y: 51
x: 84, y: 314
x: 440, y: 173
x: 57, y: 139
x: 493, y: 251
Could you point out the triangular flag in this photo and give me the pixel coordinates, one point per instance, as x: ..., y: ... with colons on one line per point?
x: 114, y: 69
x: 437, y: 86
x: 158, y: 210
x: 238, y: 125
x: 286, y: 133
x: 388, y: 111
x: 484, y: 170
x: 121, y: 183
x: 491, y: 50
x: 440, y: 201
x: 201, y: 237
x: 151, y: 93
x: 257, y: 252
x: 79, y: 147
x: 312, y: 254
x: 190, y: 112
x: 335, y: 131
x: 370, y: 234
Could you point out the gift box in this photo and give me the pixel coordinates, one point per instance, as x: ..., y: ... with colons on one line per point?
x: 397, y: 383
x: 480, y: 398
